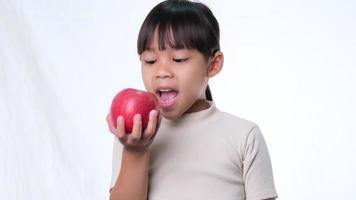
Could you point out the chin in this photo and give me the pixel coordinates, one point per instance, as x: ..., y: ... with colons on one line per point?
x: 170, y: 115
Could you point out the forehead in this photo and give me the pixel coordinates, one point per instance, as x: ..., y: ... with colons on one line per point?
x: 162, y: 39
x: 153, y: 41
x: 166, y: 42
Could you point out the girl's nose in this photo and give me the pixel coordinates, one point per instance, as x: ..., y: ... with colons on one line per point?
x: 164, y: 72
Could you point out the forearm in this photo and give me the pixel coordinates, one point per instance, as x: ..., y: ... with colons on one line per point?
x: 132, y: 183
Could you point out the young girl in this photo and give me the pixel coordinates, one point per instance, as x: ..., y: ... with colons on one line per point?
x: 194, y: 151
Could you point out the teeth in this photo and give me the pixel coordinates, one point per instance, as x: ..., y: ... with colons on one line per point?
x: 165, y: 90
x: 161, y: 91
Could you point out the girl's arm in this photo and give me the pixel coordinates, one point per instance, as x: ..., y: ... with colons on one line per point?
x: 132, y: 181
x: 257, y: 168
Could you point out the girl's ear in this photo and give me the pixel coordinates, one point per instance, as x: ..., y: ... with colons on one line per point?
x: 215, y: 64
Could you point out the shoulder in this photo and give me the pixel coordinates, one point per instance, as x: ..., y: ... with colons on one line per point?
x: 235, y: 122
x: 238, y: 130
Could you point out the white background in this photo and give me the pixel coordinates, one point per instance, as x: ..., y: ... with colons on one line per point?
x: 290, y: 66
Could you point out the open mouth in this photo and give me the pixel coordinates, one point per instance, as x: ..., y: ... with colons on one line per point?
x: 167, y: 97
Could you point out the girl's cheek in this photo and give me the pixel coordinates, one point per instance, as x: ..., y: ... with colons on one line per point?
x: 147, y: 80
x: 145, y: 72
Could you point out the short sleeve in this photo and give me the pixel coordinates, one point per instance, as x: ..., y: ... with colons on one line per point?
x: 257, y: 168
x: 116, y: 161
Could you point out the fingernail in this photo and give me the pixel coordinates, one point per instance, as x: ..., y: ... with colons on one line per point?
x: 137, y: 117
x: 154, y: 113
x: 120, y: 119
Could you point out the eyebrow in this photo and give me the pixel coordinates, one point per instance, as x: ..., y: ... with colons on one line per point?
x: 150, y: 49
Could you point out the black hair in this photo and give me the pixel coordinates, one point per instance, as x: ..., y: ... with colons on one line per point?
x: 181, y: 24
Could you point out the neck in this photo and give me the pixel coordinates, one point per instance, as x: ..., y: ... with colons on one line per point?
x: 200, y: 104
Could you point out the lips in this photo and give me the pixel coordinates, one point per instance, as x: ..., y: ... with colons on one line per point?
x: 167, y: 97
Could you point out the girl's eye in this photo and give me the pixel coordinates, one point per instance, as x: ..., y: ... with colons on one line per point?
x: 150, y: 62
x: 180, y: 60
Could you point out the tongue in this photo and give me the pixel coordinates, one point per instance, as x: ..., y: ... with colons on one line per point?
x: 167, y: 96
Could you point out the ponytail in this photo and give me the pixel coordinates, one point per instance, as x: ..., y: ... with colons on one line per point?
x: 208, y: 95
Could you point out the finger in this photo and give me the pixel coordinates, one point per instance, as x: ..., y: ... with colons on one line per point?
x: 120, y: 131
x: 110, y: 123
x: 152, y: 122
x: 136, y: 130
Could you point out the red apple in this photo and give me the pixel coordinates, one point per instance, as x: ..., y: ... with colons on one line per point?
x: 129, y: 102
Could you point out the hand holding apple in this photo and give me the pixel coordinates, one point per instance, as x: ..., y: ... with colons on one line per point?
x: 128, y: 103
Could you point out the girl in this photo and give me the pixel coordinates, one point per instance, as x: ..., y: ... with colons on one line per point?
x: 194, y: 151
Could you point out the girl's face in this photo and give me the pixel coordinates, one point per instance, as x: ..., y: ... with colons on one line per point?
x: 178, y: 77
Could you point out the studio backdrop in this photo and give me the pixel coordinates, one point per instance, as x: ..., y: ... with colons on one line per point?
x: 290, y: 66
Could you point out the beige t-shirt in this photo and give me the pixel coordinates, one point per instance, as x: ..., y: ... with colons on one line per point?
x: 207, y: 155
